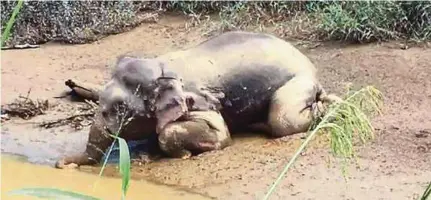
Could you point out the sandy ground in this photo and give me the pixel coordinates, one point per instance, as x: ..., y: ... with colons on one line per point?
x: 395, y: 166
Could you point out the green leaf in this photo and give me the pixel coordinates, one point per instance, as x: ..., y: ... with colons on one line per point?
x: 51, y: 193
x: 124, y: 164
x: 11, y: 21
x: 427, y: 193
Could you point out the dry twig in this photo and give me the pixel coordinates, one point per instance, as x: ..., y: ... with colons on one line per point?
x: 77, y: 121
x: 24, y: 108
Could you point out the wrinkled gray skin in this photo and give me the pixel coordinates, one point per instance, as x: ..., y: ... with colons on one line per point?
x: 251, y: 78
x: 262, y: 79
x: 151, y: 96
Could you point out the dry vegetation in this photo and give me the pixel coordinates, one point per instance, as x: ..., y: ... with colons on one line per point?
x: 360, y: 21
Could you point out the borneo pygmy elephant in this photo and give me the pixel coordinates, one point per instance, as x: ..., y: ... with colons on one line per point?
x: 249, y: 78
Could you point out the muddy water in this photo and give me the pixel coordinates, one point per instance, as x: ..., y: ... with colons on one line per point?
x: 16, y: 173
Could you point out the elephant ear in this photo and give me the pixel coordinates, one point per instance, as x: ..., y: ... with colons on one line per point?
x: 168, y: 113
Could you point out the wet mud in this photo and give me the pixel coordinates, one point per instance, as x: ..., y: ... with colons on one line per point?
x: 394, y: 166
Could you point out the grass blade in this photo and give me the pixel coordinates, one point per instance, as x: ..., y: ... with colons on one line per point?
x: 51, y: 193
x: 11, y: 21
x: 124, y: 165
x: 427, y: 193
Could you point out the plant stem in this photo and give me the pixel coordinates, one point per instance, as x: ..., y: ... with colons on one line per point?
x: 107, y: 156
x: 426, y: 193
x: 11, y: 21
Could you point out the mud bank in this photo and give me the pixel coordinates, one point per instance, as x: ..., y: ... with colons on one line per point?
x: 395, y: 166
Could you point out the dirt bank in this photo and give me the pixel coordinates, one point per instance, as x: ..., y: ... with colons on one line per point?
x: 395, y: 166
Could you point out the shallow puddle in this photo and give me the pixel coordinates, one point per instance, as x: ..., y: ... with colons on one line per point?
x: 16, y: 173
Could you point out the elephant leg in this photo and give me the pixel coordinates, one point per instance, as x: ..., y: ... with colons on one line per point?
x: 199, y: 132
x: 98, y: 142
x: 290, y: 111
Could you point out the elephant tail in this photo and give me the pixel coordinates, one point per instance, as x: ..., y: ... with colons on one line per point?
x: 324, y: 97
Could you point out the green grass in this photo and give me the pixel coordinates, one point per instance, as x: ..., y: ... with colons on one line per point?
x: 124, y: 165
x: 343, y: 121
x: 427, y: 193
x: 369, y: 21
x: 349, y: 21
x: 11, y: 21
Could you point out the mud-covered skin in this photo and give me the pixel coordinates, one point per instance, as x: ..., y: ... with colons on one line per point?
x: 248, y: 91
x: 142, y: 91
x: 258, y: 78
x: 141, y: 127
x: 195, y: 133
x: 264, y: 80
x: 98, y: 142
x: 150, y: 88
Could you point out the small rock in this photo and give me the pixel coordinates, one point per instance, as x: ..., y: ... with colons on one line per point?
x: 422, y: 148
x: 423, y: 134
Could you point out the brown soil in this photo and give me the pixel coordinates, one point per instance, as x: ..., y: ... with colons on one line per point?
x: 394, y: 166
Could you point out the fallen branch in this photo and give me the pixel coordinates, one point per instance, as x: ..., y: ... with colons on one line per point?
x: 86, y: 113
x: 24, y: 108
x: 75, y: 120
x: 82, y: 91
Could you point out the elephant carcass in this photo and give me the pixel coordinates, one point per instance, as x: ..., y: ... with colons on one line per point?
x: 256, y: 77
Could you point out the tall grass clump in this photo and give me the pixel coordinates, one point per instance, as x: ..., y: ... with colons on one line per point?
x: 350, y: 21
x: 345, y: 123
x: 258, y: 14
x: 369, y: 21
x: 74, y: 22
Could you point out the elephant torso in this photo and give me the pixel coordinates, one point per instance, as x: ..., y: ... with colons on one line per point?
x: 247, y: 67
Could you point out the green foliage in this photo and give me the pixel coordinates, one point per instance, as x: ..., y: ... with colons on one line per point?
x: 427, y: 193
x: 353, y: 21
x: 11, y: 21
x: 124, y: 165
x: 69, y: 21
x: 343, y: 121
x: 193, y: 7
x: 367, y: 21
x: 51, y: 193
x: 347, y: 122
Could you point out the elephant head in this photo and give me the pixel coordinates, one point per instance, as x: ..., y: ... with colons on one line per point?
x: 174, y: 101
x: 148, y: 87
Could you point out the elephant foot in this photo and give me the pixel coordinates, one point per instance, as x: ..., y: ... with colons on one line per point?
x: 145, y: 158
x: 202, y: 131
x: 74, y: 162
x: 61, y: 164
x: 185, y: 155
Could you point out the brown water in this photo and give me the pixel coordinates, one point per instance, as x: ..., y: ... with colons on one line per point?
x: 16, y: 174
